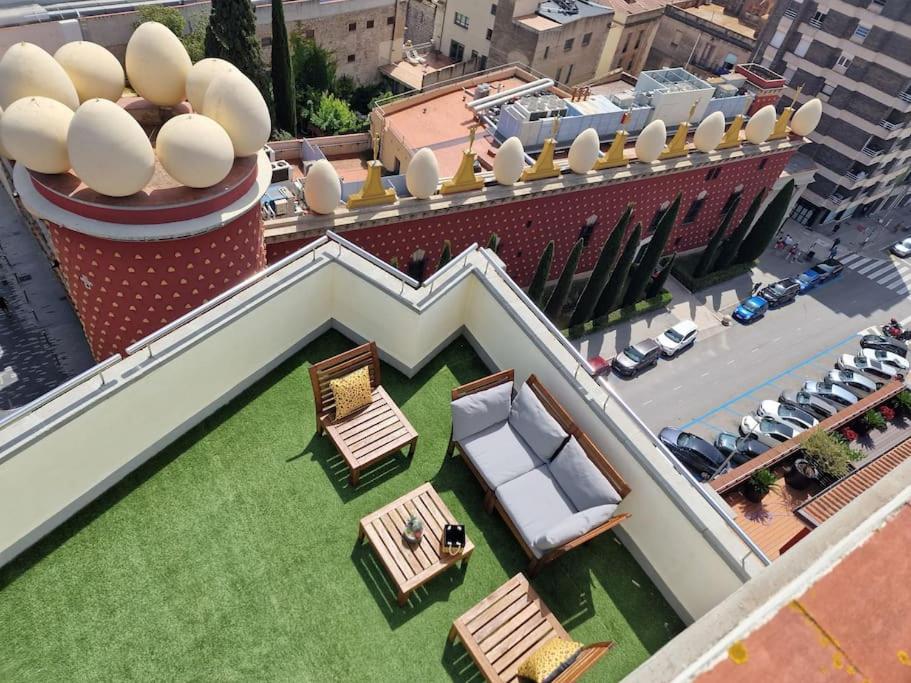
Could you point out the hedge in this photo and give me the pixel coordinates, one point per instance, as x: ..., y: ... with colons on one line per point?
x: 620, y: 315
x: 685, y: 265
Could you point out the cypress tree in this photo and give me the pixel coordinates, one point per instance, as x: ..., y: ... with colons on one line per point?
x: 735, y: 239
x: 231, y: 35
x: 445, y: 255
x: 493, y: 242
x: 601, y: 272
x: 613, y: 291
x: 542, y: 272
x: 557, y: 300
x: 707, y: 259
x: 766, y: 226
x: 640, y: 277
x: 282, y: 78
x: 657, y: 284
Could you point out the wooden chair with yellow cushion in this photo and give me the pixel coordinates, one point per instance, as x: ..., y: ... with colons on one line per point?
x: 507, y: 628
x: 358, y: 416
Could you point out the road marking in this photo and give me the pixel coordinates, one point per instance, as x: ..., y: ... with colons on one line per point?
x: 897, y: 283
x: 755, y: 350
x: 903, y: 291
x: 730, y: 362
x: 866, y: 269
x: 890, y: 277
x: 847, y: 258
x: 860, y: 263
x: 645, y: 403
x: 879, y: 271
x: 704, y: 374
x: 776, y: 339
x: 678, y: 387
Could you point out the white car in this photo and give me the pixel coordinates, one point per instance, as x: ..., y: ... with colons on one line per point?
x: 677, y: 338
x: 903, y: 248
x: 799, y: 419
x: 871, y: 369
x: 887, y: 358
x: 856, y: 383
x: 768, y: 431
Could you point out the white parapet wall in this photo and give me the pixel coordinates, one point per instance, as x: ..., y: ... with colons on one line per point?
x: 60, y: 455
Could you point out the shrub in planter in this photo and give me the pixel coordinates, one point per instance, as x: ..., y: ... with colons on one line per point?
x: 758, y: 485
x: 887, y: 412
x: 903, y: 402
x: 801, y: 474
x: 828, y: 453
x: 848, y: 434
x: 873, y: 420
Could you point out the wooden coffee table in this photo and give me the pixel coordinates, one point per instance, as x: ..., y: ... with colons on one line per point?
x: 409, y: 565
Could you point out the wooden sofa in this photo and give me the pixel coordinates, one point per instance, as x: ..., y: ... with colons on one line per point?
x: 569, y: 426
x: 370, y: 434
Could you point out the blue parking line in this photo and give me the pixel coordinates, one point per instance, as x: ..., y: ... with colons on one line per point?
x: 771, y: 380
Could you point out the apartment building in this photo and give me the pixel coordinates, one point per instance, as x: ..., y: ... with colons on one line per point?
x: 855, y: 55
x: 632, y: 31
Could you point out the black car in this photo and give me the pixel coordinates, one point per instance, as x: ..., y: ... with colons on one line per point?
x: 816, y: 405
x: 879, y: 342
x: 781, y: 292
x: 829, y: 269
x: 698, y: 455
x: 636, y: 357
x: 739, y: 449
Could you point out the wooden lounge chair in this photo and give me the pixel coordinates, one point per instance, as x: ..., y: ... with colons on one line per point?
x: 569, y: 426
x: 507, y: 626
x: 372, y: 433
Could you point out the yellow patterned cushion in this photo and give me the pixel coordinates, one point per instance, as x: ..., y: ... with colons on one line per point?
x: 352, y: 392
x: 549, y: 660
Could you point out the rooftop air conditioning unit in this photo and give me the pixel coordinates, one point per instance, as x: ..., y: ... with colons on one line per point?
x: 270, y: 152
x: 481, y: 90
x: 281, y: 171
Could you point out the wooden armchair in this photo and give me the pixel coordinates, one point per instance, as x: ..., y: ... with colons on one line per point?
x: 507, y: 626
x: 374, y: 432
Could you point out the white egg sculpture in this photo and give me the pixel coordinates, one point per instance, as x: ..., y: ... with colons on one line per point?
x: 235, y: 103
x: 584, y: 151
x: 157, y: 64
x: 3, y: 151
x: 709, y: 132
x: 200, y: 78
x: 33, y: 130
x: 322, y: 190
x: 195, y: 150
x: 509, y: 162
x: 26, y: 71
x: 423, y: 174
x: 651, y: 141
x: 761, y: 125
x: 109, y: 150
x: 94, y: 71
x: 807, y: 117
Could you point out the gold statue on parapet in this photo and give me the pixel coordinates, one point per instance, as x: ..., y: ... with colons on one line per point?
x: 677, y: 145
x: 372, y: 192
x: 781, y: 125
x: 465, y: 178
x: 615, y: 157
x: 544, y: 165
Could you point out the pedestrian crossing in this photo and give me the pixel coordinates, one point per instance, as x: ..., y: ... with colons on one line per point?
x: 891, y: 274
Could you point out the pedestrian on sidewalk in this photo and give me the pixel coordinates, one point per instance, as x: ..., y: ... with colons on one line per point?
x: 833, y: 251
x: 836, y: 228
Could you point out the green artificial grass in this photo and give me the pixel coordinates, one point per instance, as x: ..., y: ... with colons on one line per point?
x: 232, y: 556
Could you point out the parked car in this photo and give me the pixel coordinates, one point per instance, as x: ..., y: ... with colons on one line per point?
x: 831, y: 268
x: 817, y: 406
x: 771, y: 432
x: 673, y: 340
x: 790, y: 415
x: 750, y: 310
x: 880, y: 342
x: 854, y: 382
x: 902, y: 249
x: 781, y: 292
x: 871, y: 369
x: 809, y: 278
x: 739, y: 449
x: 697, y: 454
x: 887, y: 358
x: 830, y: 392
x: 636, y: 357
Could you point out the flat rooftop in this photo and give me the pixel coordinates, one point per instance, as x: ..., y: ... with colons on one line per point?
x: 412, y: 75
x: 715, y: 14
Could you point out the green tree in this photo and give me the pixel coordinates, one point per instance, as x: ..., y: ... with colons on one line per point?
x: 613, y: 290
x: 707, y: 259
x: 344, y: 88
x: 231, y: 35
x: 640, y: 277
x: 657, y: 284
x: 601, y: 272
x: 314, y: 66
x: 542, y: 272
x: 730, y: 246
x: 766, y: 225
x: 493, y: 242
x: 282, y: 77
x: 446, y: 254
x: 557, y: 300
x: 191, y: 32
x: 333, y: 116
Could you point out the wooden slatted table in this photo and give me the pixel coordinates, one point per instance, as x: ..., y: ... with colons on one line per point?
x: 411, y: 566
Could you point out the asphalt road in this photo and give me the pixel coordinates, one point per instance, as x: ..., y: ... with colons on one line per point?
x: 710, y: 386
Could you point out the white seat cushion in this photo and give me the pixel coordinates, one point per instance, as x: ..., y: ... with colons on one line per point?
x: 535, y: 504
x: 499, y: 454
x: 572, y: 527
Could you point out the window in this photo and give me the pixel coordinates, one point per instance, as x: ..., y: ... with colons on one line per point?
x: 586, y: 39
x: 861, y: 33
x: 546, y: 51
x: 626, y: 43
x: 659, y: 212
x: 557, y: 77
x: 493, y: 9
x: 461, y: 20
x: 693, y: 212
x: 818, y: 19
x: 763, y: 163
x: 675, y: 41
x: 639, y: 39
x: 456, y: 51
x: 827, y: 89
x: 568, y: 45
x: 729, y: 203
x: 390, y: 21
x: 777, y: 39
x: 569, y: 73
x: 350, y: 59
x: 490, y: 35
x: 370, y: 23
x: 352, y: 26
x: 309, y: 34
x: 803, y: 46
x: 474, y: 54
x: 713, y: 173
x: 843, y: 63
x: 266, y: 42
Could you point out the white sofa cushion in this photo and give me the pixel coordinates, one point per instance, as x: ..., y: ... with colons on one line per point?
x: 572, y: 527
x: 535, y: 504
x: 476, y: 412
x: 499, y: 454
x: 582, y: 481
x: 535, y: 425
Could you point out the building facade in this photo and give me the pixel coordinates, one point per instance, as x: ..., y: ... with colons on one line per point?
x: 856, y: 57
x: 632, y: 31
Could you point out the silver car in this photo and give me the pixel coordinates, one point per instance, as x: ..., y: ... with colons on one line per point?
x: 768, y: 431
x: 854, y: 382
x: 871, y: 369
x: 830, y: 392
x: 788, y: 414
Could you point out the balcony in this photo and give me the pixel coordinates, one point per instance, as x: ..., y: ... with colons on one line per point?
x: 905, y: 96
x: 836, y: 198
x: 887, y: 125
x: 872, y: 152
x: 791, y: 12
x: 815, y: 23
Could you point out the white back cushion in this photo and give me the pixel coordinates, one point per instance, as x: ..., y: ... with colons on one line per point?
x: 476, y: 412
x: 535, y: 425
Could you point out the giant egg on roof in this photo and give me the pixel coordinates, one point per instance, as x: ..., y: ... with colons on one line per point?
x: 94, y: 71
x: 200, y: 78
x: 807, y: 117
x: 584, y: 151
x: 761, y: 125
x: 26, y: 71
x: 651, y: 141
x: 235, y: 103
x: 509, y: 162
x: 108, y: 149
x: 157, y: 64
x: 423, y: 174
x: 3, y: 151
x: 322, y: 190
x: 195, y: 150
x: 709, y: 132
x: 33, y: 130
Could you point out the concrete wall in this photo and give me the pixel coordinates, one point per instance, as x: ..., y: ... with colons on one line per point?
x: 474, y: 37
